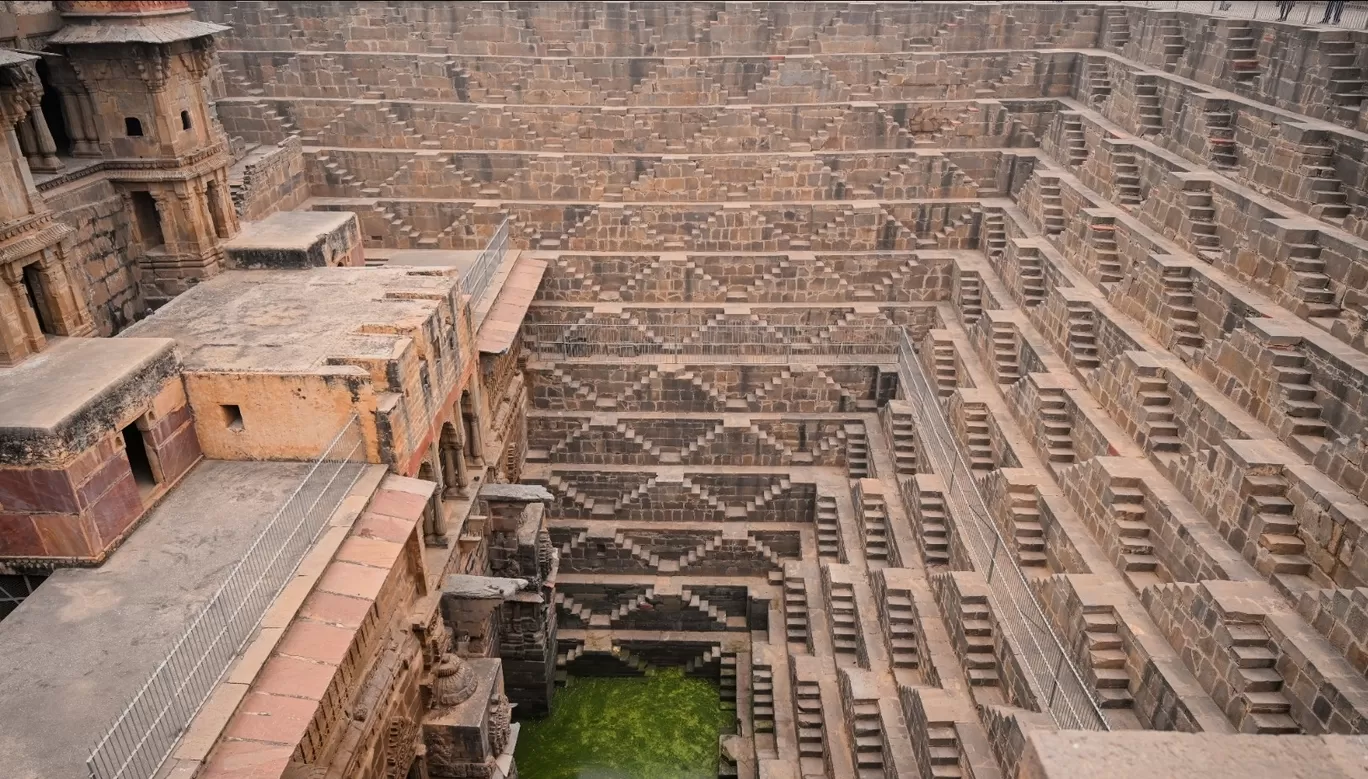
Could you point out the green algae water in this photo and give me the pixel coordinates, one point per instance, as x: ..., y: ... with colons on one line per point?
x: 662, y: 726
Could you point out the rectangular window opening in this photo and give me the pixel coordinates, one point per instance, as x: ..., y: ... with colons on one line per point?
x: 232, y: 416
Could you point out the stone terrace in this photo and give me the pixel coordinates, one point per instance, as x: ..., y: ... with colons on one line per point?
x: 1129, y: 245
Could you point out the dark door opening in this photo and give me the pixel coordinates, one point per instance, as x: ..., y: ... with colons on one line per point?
x: 138, y: 461
x: 52, y: 111
x: 33, y: 287
x: 148, y: 220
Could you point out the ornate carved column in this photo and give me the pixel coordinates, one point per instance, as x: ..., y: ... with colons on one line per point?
x: 44, y: 158
x: 477, y: 420
x: 28, y: 319
x: 80, y: 124
x: 169, y: 224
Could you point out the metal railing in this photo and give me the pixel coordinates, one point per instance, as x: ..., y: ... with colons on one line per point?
x: 142, y: 736
x: 1068, y: 698
x: 477, y: 279
x: 1350, y: 16
x: 681, y: 342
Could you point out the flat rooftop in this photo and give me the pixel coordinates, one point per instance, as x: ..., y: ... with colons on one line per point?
x: 289, y: 230
x: 82, y: 645
x: 296, y: 320
x: 54, y: 384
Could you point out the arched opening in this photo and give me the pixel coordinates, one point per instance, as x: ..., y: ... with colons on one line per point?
x: 133, y: 127
x: 52, y: 111
x: 185, y: 120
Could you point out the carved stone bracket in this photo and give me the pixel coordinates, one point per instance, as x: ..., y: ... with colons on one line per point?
x: 20, y: 92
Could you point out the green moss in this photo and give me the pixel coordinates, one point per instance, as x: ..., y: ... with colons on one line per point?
x: 663, y: 726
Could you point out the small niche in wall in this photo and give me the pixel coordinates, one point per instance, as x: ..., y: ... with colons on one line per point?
x: 185, y: 120
x: 133, y: 127
x: 232, y: 416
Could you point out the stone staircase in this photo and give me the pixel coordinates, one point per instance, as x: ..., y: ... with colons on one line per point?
x: 858, y: 463
x: 795, y: 605
x: 866, y: 731
x: 978, y: 440
x: 1182, y: 310
x: 900, y: 627
x: 980, y: 662
x: 630, y: 606
x: 1160, y: 429
x: 1116, y: 29
x: 1202, y: 228
x: 1107, y: 658
x: 1242, y: 52
x: 935, y: 532
x: 693, y: 601
x: 1126, y: 177
x: 1258, y: 683
x: 762, y: 697
x: 626, y: 544
x: 568, y: 607
x: 873, y: 514
x: 902, y: 434
x: 994, y: 233
x: 947, y: 374
x: 1280, y: 552
x: 1135, y: 550
x: 699, y: 552
x: 971, y: 297
x: 845, y: 625
x: 1051, y: 207
x: 1006, y: 359
x: 1056, y: 427
x: 1222, y: 149
x: 1344, y: 75
x: 1075, y: 144
x: 1028, y: 534
x: 1099, y: 83
x: 1102, y: 238
x: 1149, y: 114
x: 1172, y: 42
x: 1298, y: 398
x: 811, y: 722
x: 1032, y: 275
x: 828, y: 529
x: 1083, y: 335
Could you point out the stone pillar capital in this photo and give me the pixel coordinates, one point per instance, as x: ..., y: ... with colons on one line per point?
x: 20, y: 93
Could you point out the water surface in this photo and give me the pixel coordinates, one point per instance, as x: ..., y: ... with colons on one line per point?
x: 662, y: 726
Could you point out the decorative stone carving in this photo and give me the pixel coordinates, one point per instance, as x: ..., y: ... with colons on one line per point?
x: 454, y: 682
x: 401, y: 746
x: 20, y: 92
x: 500, y: 723
x: 546, y: 555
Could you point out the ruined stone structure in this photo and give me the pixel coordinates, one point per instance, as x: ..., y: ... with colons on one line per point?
x: 968, y: 389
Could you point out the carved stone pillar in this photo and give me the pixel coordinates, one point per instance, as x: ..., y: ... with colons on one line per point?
x: 14, y: 340
x: 80, y: 126
x: 32, y: 333
x: 477, y: 421
x: 44, y: 159
x: 170, y: 225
